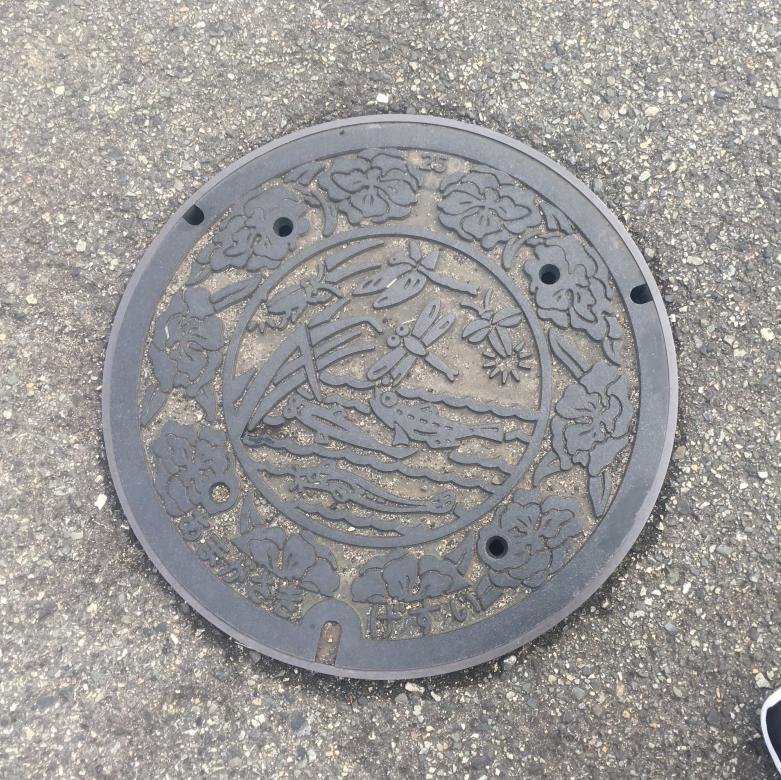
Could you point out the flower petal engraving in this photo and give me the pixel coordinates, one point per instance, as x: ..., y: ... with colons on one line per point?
x: 251, y: 237
x: 577, y: 293
x: 527, y: 540
x: 377, y: 184
x: 402, y: 576
x: 189, y: 463
x: 590, y: 427
x: 487, y: 205
x: 186, y: 347
x: 287, y: 565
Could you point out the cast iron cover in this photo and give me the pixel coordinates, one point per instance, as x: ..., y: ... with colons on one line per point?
x: 389, y: 397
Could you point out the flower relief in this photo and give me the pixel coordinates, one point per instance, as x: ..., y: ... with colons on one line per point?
x: 527, y: 540
x: 185, y: 352
x: 502, y: 359
x: 288, y: 565
x: 193, y: 468
x: 376, y: 184
x: 400, y: 575
x: 570, y: 286
x: 257, y: 234
x: 487, y: 205
x: 591, y: 423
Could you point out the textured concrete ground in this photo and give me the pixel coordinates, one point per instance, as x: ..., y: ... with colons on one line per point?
x: 111, y: 114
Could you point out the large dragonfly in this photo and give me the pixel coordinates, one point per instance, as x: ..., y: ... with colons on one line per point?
x: 408, y: 344
x: 406, y: 276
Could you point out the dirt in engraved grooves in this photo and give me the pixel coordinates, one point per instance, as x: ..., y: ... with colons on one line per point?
x: 392, y: 379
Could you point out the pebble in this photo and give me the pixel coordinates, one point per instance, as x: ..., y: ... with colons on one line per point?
x: 761, y: 681
x: 713, y: 718
x: 480, y: 762
x: 300, y: 725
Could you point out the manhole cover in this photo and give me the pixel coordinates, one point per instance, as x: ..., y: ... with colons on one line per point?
x: 389, y: 397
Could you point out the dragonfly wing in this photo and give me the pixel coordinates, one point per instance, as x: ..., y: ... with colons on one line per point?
x: 407, y: 286
x: 430, y: 260
x: 401, y: 369
x: 439, y: 328
x: 426, y: 318
x: 451, y: 284
x: 381, y: 367
x: 436, y: 362
x: 379, y: 281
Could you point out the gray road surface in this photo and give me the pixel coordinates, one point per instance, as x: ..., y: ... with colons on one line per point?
x: 111, y: 114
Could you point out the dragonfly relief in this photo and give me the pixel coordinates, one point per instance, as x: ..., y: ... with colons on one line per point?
x: 406, y: 276
x: 407, y: 344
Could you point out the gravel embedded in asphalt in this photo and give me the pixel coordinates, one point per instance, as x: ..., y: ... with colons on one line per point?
x: 110, y: 117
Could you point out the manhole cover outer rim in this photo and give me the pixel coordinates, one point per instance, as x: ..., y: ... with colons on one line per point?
x: 579, y: 596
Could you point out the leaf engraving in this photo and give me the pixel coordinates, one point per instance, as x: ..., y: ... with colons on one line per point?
x: 568, y: 354
x: 599, y: 488
x: 152, y: 403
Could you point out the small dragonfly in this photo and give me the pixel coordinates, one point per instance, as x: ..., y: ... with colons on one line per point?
x: 406, y: 276
x: 408, y: 344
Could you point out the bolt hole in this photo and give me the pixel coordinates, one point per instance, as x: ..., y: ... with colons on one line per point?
x: 497, y: 547
x: 283, y: 226
x: 549, y: 274
x: 219, y: 493
x: 193, y: 215
x: 641, y: 294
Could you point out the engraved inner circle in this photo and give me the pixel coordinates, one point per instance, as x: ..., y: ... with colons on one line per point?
x: 387, y: 389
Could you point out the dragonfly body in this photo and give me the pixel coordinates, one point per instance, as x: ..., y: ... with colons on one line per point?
x: 408, y: 344
x: 406, y: 275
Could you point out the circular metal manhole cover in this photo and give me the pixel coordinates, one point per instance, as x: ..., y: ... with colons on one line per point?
x: 389, y: 397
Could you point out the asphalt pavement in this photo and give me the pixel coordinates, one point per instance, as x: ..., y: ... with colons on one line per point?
x: 111, y: 115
